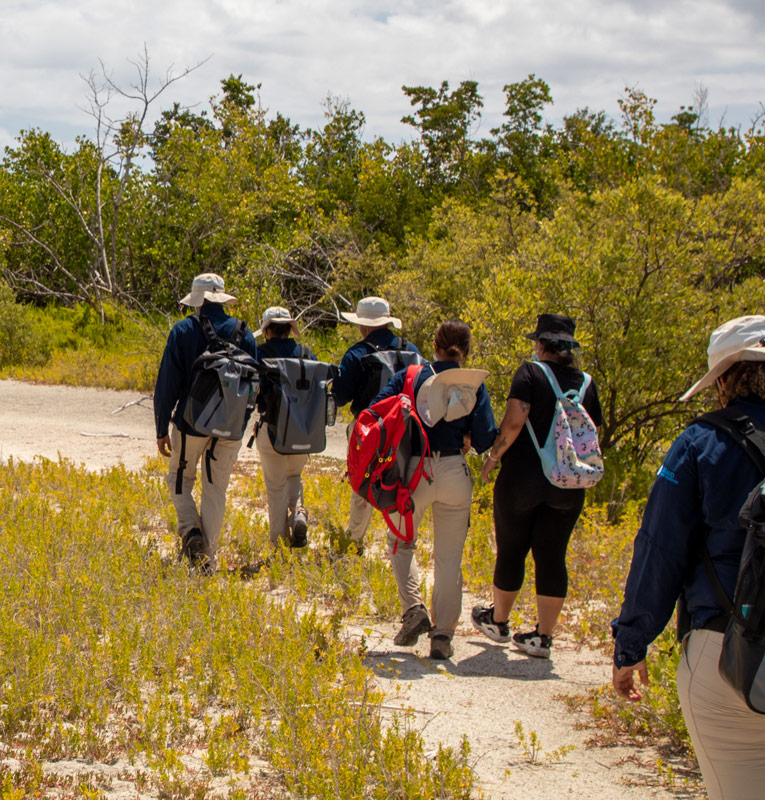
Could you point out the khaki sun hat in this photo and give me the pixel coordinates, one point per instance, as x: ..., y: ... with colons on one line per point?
x: 740, y: 339
x: 372, y: 312
x: 207, y: 286
x: 277, y: 314
x: 449, y: 395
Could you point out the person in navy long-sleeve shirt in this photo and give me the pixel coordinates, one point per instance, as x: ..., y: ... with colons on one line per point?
x: 694, y: 503
x: 350, y: 385
x: 199, y: 529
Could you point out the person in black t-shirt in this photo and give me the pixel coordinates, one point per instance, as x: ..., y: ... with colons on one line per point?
x: 530, y: 513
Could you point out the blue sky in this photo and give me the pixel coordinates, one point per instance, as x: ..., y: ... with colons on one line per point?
x: 303, y: 50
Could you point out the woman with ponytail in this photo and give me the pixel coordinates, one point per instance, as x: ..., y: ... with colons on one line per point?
x: 455, y: 409
x: 530, y: 513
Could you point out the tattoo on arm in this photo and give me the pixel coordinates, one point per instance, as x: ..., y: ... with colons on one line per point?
x: 524, y: 406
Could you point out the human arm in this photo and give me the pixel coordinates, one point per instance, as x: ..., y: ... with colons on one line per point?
x: 516, y: 414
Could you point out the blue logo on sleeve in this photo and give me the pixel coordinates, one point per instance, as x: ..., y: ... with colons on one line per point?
x: 668, y: 474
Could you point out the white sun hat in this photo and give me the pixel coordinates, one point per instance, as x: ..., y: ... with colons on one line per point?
x: 277, y: 314
x: 449, y: 395
x: 207, y: 286
x: 372, y: 312
x: 740, y: 339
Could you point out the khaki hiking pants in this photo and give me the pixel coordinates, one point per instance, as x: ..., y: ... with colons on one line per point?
x: 284, y: 485
x: 728, y: 737
x: 209, y: 517
x: 361, y: 510
x: 449, y: 494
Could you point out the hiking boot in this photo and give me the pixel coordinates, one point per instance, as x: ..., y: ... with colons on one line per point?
x: 441, y: 648
x: 483, y: 620
x: 414, y: 623
x: 533, y: 643
x: 193, y: 547
x: 300, y: 528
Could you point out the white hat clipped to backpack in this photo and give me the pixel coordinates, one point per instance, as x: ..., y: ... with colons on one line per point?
x: 449, y: 395
x: 740, y: 339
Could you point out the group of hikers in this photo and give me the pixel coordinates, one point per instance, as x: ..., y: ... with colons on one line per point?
x: 547, y: 452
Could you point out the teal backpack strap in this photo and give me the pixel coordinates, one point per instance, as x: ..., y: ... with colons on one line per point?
x: 583, y: 388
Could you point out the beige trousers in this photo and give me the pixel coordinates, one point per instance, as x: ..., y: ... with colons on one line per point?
x: 449, y: 493
x: 361, y: 510
x: 284, y: 485
x: 209, y: 517
x: 728, y: 737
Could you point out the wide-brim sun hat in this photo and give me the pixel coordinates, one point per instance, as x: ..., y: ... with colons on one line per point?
x: 372, y: 312
x: 207, y: 286
x: 740, y: 339
x: 277, y: 314
x: 449, y: 395
x: 554, y: 327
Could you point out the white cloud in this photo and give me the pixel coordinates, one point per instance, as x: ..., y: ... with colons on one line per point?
x: 366, y: 50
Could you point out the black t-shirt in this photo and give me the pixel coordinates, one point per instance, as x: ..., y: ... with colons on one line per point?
x: 530, y: 385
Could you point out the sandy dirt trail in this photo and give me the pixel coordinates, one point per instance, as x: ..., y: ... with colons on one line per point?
x: 483, y: 692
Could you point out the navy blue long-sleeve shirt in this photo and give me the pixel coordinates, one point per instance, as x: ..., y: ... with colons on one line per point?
x: 349, y: 384
x: 479, y: 424
x: 185, y: 343
x: 699, y: 489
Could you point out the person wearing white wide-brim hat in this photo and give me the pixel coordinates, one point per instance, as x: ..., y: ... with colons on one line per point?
x: 353, y: 384
x: 282, y: 472
x: 691, y: 524
x: 199, y: 529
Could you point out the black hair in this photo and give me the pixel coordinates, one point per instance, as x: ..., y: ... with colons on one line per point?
x: 561, y: 349
x: 280, y: 329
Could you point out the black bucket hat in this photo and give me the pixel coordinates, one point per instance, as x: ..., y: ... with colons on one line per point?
x: 555, y: 327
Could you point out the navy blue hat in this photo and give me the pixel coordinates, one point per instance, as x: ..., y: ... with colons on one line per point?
x: 555, y: 326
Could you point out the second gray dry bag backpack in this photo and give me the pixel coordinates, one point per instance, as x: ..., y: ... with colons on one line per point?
x: 297, y: 391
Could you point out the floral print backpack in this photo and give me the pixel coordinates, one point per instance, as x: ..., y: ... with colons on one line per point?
x: 571, y: 456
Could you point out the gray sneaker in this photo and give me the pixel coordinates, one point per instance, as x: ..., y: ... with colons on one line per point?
x: 414, y: 623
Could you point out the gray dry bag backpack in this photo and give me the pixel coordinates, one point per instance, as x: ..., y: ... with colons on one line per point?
x: 296, y: 395
x: 224, y: 384
x: 381, y: 364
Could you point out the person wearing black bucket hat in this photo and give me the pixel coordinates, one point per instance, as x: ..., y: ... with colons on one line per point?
x: 530, y: 513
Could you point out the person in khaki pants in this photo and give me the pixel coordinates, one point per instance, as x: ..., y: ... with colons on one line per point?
x: 282, y: 473
x: 374, y: 321
x: 199, y: 529
x: 454, y: 422
x: 694, y: 505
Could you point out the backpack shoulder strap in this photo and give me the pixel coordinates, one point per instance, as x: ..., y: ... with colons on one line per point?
x: 412, y: 372
x: 587, y: 380
x: 553, y: 381
x: 742, y: 430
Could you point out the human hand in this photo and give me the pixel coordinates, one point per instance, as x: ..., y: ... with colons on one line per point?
x: 624, y: 680
x: 489, y: 465
x: 466, y: 443
x: 163, y: 445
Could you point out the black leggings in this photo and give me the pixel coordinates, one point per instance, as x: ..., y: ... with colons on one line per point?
x: 530, y: 515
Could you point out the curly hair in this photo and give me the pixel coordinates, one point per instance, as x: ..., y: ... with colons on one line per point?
x: 743, y: 379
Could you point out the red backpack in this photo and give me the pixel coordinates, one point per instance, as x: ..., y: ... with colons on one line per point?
x: 379, y: 452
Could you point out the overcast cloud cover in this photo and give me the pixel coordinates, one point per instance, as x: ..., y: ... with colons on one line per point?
x: 301, y: 50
